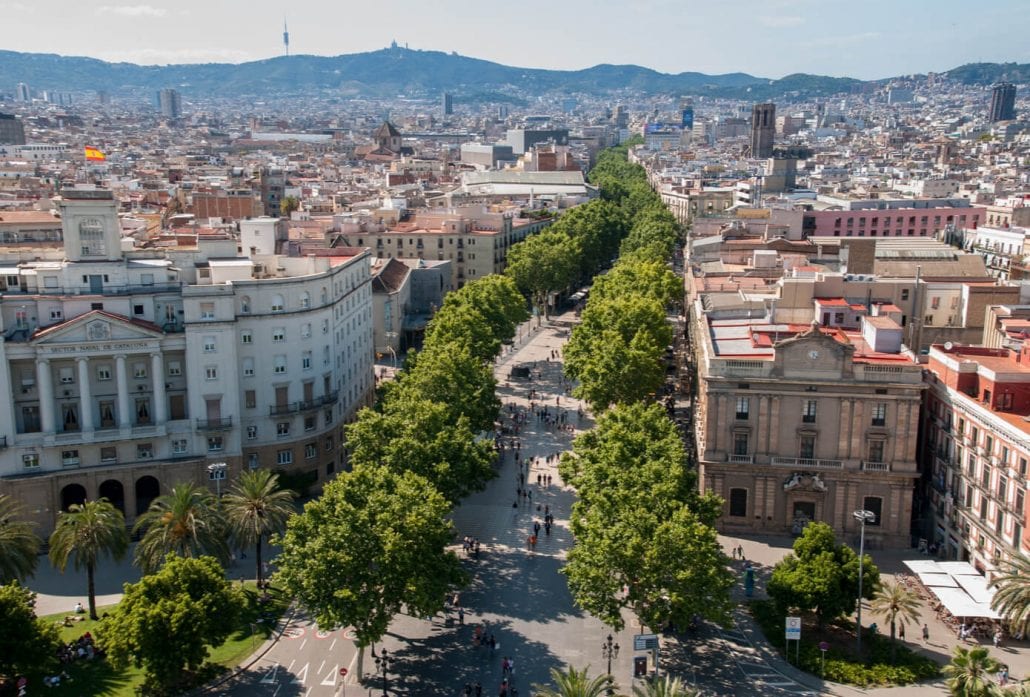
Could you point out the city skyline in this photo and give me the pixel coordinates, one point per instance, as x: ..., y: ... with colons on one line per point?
x: 767, y: 39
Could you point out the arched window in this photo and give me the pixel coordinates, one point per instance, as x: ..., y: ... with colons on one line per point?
x: 325, y: 295
x: 305, y: 300
x: 245, y: 305
x: 278, y: 304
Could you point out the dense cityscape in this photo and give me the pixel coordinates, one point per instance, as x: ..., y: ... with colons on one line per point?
x: 548, y: 384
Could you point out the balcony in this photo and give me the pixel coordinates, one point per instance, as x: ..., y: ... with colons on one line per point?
x: 872, y: 466
x: 283, y: 409
x: 223, y: 424
x: 808, y: 463
x: 742, y: 459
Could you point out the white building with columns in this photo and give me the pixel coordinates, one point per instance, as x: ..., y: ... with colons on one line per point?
x: 130, y: 370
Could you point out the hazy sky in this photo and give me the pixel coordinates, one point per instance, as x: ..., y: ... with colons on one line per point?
x: 769, y: 38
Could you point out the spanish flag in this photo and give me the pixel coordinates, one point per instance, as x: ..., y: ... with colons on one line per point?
x: 94, y: 155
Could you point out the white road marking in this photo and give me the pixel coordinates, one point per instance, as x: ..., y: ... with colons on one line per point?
x: 332, y: 646
x: 270, y: 676
x: 289, y: 668
x: 320, y: 667
x: 302, y: 644
x: 302, y: 676
x: 331, y: 678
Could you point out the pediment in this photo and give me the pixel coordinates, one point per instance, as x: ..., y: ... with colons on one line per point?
x: 97, y: 327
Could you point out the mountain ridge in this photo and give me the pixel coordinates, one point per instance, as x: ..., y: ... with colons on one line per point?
x: 419, y: 73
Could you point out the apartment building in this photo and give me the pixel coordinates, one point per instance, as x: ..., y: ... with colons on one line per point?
x: 798, y: 423
x: 130, y: 370
x: 975, y: 451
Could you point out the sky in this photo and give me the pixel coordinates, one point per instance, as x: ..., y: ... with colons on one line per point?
x: 866, y: 39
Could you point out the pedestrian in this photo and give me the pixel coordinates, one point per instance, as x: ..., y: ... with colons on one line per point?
x: 476, y: 553
x: 547, y: 529
x: 926, y: 633
x: 997, y: 638
x: 493, y: 642
x: 479, y: 689
x: 461, y: 616
x: 504, y: 666
x: 536, y: 526
x: 511, y: 667
x: 901, y: 632
x: 468, y: 689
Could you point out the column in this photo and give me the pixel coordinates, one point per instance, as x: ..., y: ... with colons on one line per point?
x: 157, y: 372
x: 762, y: 426
x: 858, y: 431
x: 844, y: 435
x: 46, y: 395
x: 774, y: 428
x: 85, y: 396
x: 122, y: 378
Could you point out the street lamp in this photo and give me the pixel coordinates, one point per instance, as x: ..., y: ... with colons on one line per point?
x: 383, y: 664
x: 863, y: 517
x: 390, y: 336
x: 216, y: 471
x: 609, y: 650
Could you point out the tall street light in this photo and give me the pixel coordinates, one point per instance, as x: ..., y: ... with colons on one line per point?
x: 863, y: 517
x: 383, y: 664
x: 609, y: 650
x: 216, y: 471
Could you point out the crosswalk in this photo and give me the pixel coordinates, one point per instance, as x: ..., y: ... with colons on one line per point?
x: 757, y: 672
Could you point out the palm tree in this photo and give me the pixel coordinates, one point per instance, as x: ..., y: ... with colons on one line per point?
x: 256, y: 507
x: 896, y: 605
x: 574, y: 683
x: 667, y: 687
x: 87, y: 532
x: 186, y: 522
x: 1012, y: 599
x: 19, y: 546
x: 969, y: 673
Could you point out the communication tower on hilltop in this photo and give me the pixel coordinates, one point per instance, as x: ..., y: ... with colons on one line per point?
x: 286, y: 38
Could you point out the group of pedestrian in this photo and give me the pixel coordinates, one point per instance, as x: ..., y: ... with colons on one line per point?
x: 738, y: 553
x: 543, y: 479
x: 470, y: 545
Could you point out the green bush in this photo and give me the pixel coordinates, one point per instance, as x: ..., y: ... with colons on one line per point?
x: 843, y: 667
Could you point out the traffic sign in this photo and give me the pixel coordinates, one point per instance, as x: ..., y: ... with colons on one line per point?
x: 794, y: 628
x: 645, y: 642
x: 343, y: 671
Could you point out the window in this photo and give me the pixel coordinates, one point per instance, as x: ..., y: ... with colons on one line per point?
x: 252, y: 461
x: 174, y: 368
x: 1003, y: 489
x: 279, y: 364
x: 310, y: 451
x: 880, y: 414
x: 50, y: 281
x: 743, y: 407
x: 282, y: 429
x: 207, y: 310
x: 1022, y: 467
x: 91, y: 237
x: 278, y: 304
x: 250, y: 399
x: 807, y: 448
x: 251, y: 432
x: 284, y: 457
x: 904, y: 293
x: 144, y: 451
x: 740, y: 443
x: 245, y: 305
x: 985, y: 477
x: 876, y: 450
x: 248, y: 367
x: 142, y: 411
x: 328, y: 443
x: 328, y: 416
x: 738, y: 503
x: 808, y: 411
x: 325, y: 326
x: 305, y: 331
x: 66, y: 375
x: 873, y: 504
x: 103, y: 372
x: 180, y: 446
x: 246, y: 337
x: 305, y: 300
x: 30, y: 460
x: 137, y: 309
x: 310, y: 423
x: 146, y: 279
x: 214, y: 444
x: 109, y: 454
x: 139, y: 370
x: 69, y: 457
x: 56, y: 314
x: 305, y: 361
x: 210, y: 372
x: 209, y: 344
x: 279, y: 335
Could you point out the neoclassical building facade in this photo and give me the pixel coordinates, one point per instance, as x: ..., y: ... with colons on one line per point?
x: 128, y: 370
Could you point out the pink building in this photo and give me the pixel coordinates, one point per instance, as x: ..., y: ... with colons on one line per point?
x: 890, y: 222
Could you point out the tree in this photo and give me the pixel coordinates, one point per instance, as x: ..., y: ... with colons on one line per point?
x: 1012, y: 599
x: 643, y: 536
x: 166, y: 621
x: 650, y: 279
x: 255, y: 508
x: 19, y: 546
x: 969, y: 673
x: 465, y: 326
x: 496, y: 298
x: 896, y: 605
x: 28, y: 645
x: 420, y: 436
x: 666, y: 687
x: 288, y: 205
x: 449, y: 374
x: 541, y: 264
x: 374, y: 542
x: 821, y: 576
x: 85, y: 533
x: 185, y: 522
x: 573, y: 683
x: 611, y: 370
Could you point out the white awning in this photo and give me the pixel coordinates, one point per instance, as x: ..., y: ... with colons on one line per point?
x: 938, y: 580
x: 977, y: 588
x: 958, y: 568
x: 923, y: 566
x: 959, y: 604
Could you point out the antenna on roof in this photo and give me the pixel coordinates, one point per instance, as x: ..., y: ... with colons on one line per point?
x: 286, y: 37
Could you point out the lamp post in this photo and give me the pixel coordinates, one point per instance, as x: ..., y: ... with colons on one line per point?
x: 609, y: 650
x: 216, y: 471
x: 383, y: 664
x: 390, y: 336
x: 863, y: 517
